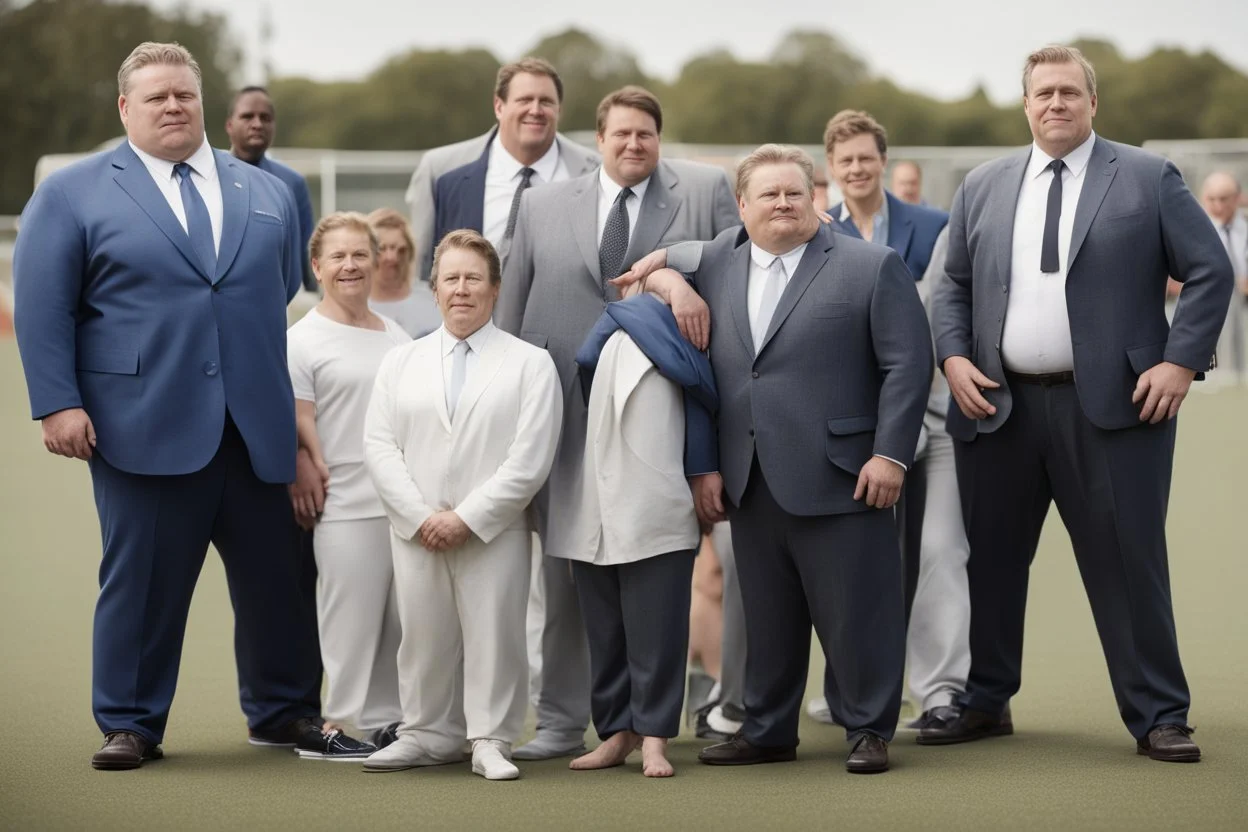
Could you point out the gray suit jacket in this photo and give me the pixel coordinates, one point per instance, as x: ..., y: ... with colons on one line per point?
x: 553, y: 294
x: 843, y: 372
x: 440, y: 160
x: 1136, y: 223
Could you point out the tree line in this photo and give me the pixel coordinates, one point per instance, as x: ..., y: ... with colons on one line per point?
x: 59, y: 58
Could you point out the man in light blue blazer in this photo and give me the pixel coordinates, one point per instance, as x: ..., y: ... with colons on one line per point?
x: 151, y: 285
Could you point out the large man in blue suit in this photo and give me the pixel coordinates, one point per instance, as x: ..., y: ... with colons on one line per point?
x: 151, y: 286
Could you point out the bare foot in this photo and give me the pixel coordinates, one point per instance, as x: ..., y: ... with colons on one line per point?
x: 613, y: 752
x: 654, y: 758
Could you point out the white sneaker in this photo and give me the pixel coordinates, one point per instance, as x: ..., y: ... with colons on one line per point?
x: 819, y: 710
x: 490, y: 760
x: 404, y: 753
x: 717, y: 721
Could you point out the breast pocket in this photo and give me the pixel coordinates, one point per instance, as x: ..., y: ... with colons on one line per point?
x: 830, y: 310
x: 266, y: 217
x: 851, y: 441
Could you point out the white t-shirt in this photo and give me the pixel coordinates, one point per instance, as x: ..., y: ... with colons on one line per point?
x: 334, y: 365
x: 417, y: 313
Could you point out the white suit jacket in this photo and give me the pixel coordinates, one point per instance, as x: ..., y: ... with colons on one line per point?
x: 634, y: 501
x: 486, y: 464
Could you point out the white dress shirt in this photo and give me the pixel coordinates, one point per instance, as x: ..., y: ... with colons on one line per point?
x: 1234, y: 237
x: 1036, y: 338
x: 502, y: 177
x: 879, y: 222
x: 760, y: 264
x: 205, y: 179
x: 476, y: 343
x: 608, y: 190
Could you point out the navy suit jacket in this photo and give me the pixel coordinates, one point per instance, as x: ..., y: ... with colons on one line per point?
x: 115, y: 314
x: 912, y: 231
x: 651, y: 325
x: 303, y: 209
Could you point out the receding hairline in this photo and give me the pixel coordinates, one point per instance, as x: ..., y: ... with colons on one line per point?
x: 1221, y: 177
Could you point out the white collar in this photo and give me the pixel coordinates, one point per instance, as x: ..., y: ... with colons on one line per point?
x: 505, y: 167
x: 1076, y: 159
x: 883, y: 212
x: 611, y: 189
x: 476, y: 341
x: 763, y: 258
x: 202, y: 161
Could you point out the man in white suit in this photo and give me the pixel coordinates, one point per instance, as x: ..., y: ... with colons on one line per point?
x: 1219, y: 196
x: 460, y: 434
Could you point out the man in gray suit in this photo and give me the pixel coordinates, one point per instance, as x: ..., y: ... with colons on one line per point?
x: 570, y: 239
x: 528, y: 96
x: 823, y: 359
x: 1051, y: 331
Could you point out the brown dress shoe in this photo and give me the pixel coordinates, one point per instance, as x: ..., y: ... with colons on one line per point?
x: 123, y: 750
x: 1170, y: 744
x: 869, y: 756
x: 969, y: 726
x: 739, y: 751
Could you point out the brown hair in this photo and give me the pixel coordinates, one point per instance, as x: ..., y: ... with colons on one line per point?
x: 150, y: 53
x: 1056, y: 54
x: 532, y: 66
x: 849, y: 123
x: 638, y: 98
x: 775, y: 154
x: 469, y: 240
x: 352, y: 220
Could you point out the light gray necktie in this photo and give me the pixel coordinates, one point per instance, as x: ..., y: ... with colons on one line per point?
x: 772, y: 289
x: 459, y: 368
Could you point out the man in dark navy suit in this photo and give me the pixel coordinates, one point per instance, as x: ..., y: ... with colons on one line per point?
x: 151, y: 285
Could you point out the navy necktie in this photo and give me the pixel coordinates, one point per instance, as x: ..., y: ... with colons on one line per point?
x: 198, y: 223
x: 1049, y: 260
x: 614, y: 238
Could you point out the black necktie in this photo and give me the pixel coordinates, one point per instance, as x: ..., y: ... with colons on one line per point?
x: 526, y: 177
x: 614, y: 238
x: 1049, y: 261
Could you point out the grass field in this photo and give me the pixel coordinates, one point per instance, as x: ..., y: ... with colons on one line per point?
x: 1071, y: 766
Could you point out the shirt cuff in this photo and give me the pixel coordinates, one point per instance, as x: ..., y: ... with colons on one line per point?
x: 890, y: 459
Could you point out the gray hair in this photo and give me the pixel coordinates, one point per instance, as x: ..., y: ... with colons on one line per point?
x: 775, y: 154
x: 150, y: 53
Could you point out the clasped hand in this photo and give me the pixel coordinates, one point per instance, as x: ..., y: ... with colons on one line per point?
x: 443, y: 531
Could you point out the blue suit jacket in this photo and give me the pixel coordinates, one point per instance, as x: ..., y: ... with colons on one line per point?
x: 459, y: 196
x: 303, y: 209
x: 651, y: 325
x: 912, y: 231
x: 115, y: 314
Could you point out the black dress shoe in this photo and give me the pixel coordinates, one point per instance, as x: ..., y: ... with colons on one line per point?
x: 739, y: 751
x: 1170, y: 744
x: 284, y: 736
x: 704, y: 731
x: 939, y: 717
x: 123, y: 751
x: 869, y: 756
x: 970, y: 725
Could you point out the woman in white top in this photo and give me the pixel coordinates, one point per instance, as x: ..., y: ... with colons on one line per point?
x: 460, y: 435
x: 395, y: 293
x: 333, y: 353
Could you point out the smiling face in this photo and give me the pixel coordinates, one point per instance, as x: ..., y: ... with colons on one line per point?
x: 857, y: 166
x: 1059, y: 107
x: 162, y: 111
x: 344, y: 266
x: 528, y: 119
x: 776, y: 207
x: 465, y: 293
x: 251, y: 126
x: 629, y: 144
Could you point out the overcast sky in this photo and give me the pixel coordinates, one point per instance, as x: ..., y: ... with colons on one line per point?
x: 939, y: 48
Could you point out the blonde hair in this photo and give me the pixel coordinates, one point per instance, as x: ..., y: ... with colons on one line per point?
x: 150, y: 53
x: 352, y: 220
x: 392, y: 219
x: 1057, y: 54
x: 775, y: 154
x: 468, y: 240
x: 849, y: 123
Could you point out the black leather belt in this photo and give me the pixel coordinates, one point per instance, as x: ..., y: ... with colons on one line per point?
x: 1043, y: 379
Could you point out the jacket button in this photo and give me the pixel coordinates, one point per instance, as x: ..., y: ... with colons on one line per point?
x: 210, y: 368
x: 216, y: 288
x: 751, y: 431
x: 754, y: 374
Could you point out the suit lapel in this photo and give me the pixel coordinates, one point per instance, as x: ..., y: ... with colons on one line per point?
x: 584, y: 220
x: 845, y: 225
x: 487, y: 366
x: 738, y: 294
x: 655, y: 216
x: 1102, y: 167
x: 473, y: 183
x: 439, y: 395
x: 135, y: 180
x: 813, y: 260
x: 235, y: 204
x: 1004, y: 204
x: 900, y: 227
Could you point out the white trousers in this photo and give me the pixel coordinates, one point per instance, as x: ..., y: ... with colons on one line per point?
x: 463, y: 664
x: 358, y: 621
x: 938, y: 652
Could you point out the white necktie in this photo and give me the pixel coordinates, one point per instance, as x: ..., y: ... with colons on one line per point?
x: 772, y: 289
x: 459, y: 368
